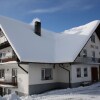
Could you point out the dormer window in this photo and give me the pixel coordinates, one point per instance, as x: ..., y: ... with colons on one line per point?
x: 93, y: 38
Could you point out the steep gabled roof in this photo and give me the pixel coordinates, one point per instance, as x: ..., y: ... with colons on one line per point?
x: 50, y: 47
x: 73, y: 40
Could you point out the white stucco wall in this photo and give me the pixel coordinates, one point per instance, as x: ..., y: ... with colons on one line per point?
x: 2, y: 39
x: 8, y: 52
x: 63, y: 75
x: 90, y: 49
x: 75, y: 79
x: 95, y: 47
x: 59, y: 74
x: 22, y: 77
x: 35, y: 74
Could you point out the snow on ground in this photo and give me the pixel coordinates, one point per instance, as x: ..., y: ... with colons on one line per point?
x: 81, y: 93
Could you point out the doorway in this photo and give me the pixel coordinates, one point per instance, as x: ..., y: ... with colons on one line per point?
x: 99, y: 72
x: 94, y: 74
x: 1, y: 91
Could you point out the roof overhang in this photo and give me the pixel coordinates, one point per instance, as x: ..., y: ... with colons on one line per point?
x: 98, y: 31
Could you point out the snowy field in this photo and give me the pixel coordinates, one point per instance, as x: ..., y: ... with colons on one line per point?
x: 81, y: 93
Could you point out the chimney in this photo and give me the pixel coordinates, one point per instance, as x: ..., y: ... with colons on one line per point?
x: 37, y: 28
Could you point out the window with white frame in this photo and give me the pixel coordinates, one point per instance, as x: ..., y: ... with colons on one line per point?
x: 93, y: 56
x: 93, y: 38
x: 78, y: 72
x: 85, y: 72
x: 84, y: 53
x: 2, y: 73
x: 3, y: 54
x: 0, y: 55
x: 47, y: 74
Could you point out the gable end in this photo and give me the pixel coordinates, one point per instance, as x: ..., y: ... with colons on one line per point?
x: 98, y: 34
x: 98, y: 31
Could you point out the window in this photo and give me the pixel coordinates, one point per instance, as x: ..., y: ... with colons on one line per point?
x: 46, y: 73
x: 2, y: 73
x: 14, y: 72
x: 93, y: 38
x: 9, y: 91
x: 93, y: 56
x: 3, y: 54
x: 84, y: 53
x: 0, y: 55
x: 14, y: 76
x: 85, y: 72
x: 78, y: 72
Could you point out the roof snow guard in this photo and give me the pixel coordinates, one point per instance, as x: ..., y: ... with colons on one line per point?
x: 50, y: 47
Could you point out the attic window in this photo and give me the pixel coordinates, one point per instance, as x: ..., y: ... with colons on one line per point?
x: 93, y: 56
x: 93, y: 38
x: 84, y: 53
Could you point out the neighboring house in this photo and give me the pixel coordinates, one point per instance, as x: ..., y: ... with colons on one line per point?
x: 34, y: 60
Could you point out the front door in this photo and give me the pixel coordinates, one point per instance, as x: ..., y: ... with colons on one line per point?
x: 99, y: 72
x: 94, y: 74
x: 1, y: 91
x: 14, y: 76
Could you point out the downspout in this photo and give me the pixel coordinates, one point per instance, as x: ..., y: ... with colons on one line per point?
x: 22, y: 68
x: 62, y: 66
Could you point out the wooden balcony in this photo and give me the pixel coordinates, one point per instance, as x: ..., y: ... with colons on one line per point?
x: 8, y: 83
x: 4, y: 45
x: 13, y: 58
x: 87, y: 60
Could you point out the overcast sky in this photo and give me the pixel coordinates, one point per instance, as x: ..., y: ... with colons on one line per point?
x: 55, y: 15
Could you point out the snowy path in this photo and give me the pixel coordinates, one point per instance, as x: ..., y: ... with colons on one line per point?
x: 82, y: 93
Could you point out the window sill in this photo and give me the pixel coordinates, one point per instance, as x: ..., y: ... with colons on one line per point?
x: 46, y: 79
x: 79, y: 77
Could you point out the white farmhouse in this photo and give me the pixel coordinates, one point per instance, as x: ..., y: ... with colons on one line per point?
x: 34, y: 60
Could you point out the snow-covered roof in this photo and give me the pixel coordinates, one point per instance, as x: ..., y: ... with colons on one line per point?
x: 50, y: 47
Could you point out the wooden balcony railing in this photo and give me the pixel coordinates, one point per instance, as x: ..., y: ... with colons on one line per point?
x: 8, y: 83
x: 87, y: 60
x: 12, y: 58
x: 4, y: 45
